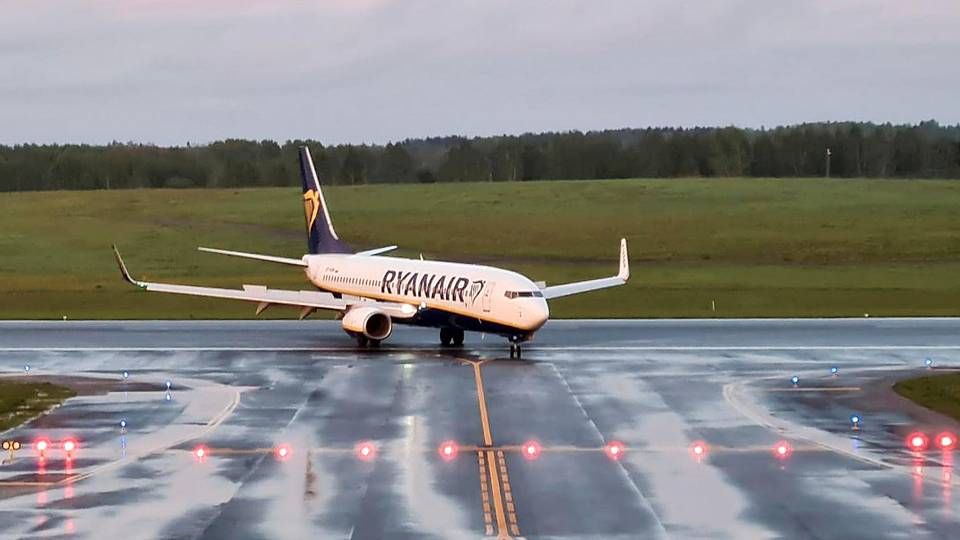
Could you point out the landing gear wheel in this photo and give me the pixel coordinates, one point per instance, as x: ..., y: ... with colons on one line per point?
x: 375, y: 343
x: 446, y: 337
x: 362, y: 341
x: 457, y: 338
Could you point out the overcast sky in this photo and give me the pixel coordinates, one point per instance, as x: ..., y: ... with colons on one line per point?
x: 177, y: 71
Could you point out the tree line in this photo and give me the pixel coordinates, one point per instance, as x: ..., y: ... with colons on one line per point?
x: 840, y: 149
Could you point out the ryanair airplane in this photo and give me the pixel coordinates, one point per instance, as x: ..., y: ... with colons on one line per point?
x: 371, y: 292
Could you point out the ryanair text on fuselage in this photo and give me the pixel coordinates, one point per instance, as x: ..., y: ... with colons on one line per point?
x: 431, y: 286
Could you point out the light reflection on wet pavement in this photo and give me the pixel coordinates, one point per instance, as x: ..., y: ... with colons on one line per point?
x: 605, y: 429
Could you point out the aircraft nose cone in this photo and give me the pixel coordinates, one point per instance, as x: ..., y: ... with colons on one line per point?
x: 539, y: 313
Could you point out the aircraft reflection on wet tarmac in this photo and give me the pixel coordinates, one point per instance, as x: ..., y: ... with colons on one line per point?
x: 609, y: 437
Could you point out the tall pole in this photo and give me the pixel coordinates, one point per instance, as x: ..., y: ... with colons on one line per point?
x: 828, y: 162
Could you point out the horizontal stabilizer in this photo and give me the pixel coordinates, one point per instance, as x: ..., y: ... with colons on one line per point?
x: 255, y: 256
x: 377, y: 251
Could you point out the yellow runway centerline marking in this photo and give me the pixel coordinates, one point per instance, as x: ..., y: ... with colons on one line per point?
x: 511, y: 509
x: 488, y: 462
x: 485, y: 495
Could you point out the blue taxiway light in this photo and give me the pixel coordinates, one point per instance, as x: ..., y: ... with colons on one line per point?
x: 834, y: 370
x: 123, y: 423
x: 928, y: 362
x: 795, y: 380
x: 168, y: 396
x: 854, y: 419
x: 169, y: 385
x: 26, y: 368
x: 126, y: 374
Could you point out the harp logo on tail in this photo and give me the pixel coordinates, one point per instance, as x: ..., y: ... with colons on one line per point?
x: 311, y: 206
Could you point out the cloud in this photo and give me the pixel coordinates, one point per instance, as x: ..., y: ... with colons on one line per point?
x: 170, y: 71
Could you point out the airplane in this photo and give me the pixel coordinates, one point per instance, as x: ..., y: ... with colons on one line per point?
x: 370, y: 292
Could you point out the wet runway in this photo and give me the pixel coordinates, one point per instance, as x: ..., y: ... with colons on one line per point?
x: 531, y: 442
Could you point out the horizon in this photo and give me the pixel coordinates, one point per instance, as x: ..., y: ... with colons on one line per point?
x: 283, y: 142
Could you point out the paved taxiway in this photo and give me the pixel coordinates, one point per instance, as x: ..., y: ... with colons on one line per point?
x: 240, y: 388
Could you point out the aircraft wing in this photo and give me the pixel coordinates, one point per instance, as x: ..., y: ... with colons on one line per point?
x: 309, y: 301
x: 568, y: 289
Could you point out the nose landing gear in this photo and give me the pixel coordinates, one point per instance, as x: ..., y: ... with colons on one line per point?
x: 451, y: 337
x: 515, y: 350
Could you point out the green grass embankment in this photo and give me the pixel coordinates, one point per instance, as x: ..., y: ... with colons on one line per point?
x: 755, y: 247
x: 940, y: 393
x: 23, y: 400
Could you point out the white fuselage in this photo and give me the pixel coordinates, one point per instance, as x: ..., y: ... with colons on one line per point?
x: 481, y: 297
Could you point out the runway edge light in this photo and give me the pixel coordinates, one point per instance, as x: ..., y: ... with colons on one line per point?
x: 917, y: 441
x: 947, y: 440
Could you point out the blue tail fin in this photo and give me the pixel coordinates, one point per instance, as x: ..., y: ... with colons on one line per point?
x: 321, y: 238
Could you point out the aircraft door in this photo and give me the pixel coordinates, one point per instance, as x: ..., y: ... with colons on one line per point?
x: 487, y: 291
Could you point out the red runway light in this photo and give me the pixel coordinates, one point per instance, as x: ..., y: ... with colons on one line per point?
x: 448, y: 450
x: 698, y: 449
x: 946, y: 440
x: 614, y: 450
x: 531, y: 449
x: 69, y: 445
x: 917, y: 442
x: 200, y: 452
x: 366, y: 451
x: 782, y: 450
x: 282, y: 452
x: 42, y: 445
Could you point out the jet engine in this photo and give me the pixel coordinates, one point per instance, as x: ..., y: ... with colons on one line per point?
x: 368, y: 322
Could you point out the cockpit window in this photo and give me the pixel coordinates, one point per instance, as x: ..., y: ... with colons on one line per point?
x: 523, y: 294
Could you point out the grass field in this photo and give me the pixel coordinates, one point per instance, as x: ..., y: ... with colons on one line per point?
x: 20, y: 401
x: 797, y: 247
x: 940, y: 393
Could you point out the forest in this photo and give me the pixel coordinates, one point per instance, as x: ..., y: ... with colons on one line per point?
x: 836, y: 149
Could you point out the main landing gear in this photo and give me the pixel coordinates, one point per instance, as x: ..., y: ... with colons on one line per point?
x: 451, y: 337
x: 515, y: 350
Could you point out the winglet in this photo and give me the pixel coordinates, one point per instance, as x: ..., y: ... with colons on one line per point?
x: 624, y: 273
x: 123, y: 269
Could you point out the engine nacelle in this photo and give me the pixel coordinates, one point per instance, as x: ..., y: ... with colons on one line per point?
x: 369, y: 322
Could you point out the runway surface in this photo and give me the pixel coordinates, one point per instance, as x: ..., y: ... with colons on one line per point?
x: 531, y: 441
